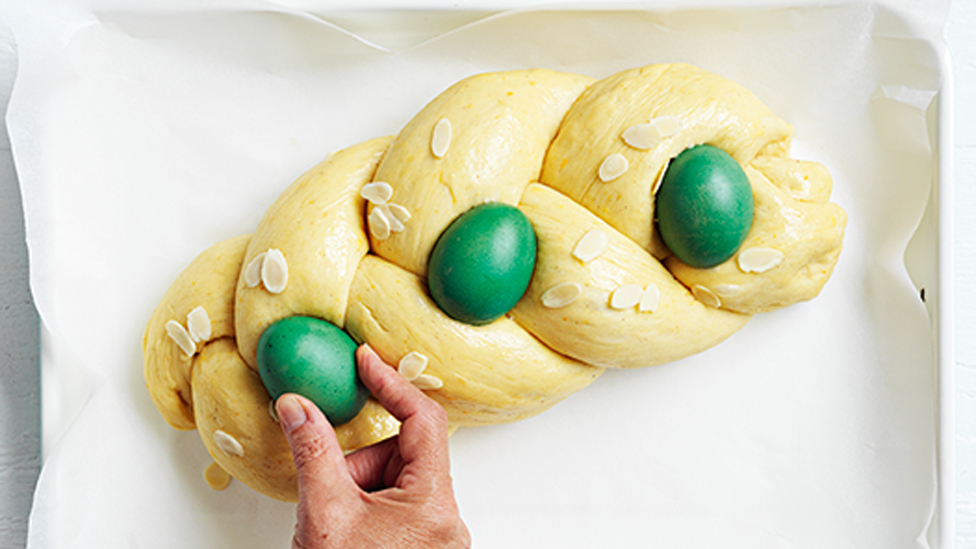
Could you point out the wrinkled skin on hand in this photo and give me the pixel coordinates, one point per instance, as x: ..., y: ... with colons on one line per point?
x: 396, y: 493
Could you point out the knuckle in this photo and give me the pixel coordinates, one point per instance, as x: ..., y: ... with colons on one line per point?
x: 310, y: 450
x: 435, y: 412
x: 445, y: 527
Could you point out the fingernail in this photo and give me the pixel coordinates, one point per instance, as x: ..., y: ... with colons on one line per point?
x: 290, y: 412
x: 369, y: 349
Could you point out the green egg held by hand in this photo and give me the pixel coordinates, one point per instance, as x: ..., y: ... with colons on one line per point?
x: 312, y: 358
x: 704, y: 206
x: 482, y: 264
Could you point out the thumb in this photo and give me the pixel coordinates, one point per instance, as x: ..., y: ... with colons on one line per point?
x: 323, y: 476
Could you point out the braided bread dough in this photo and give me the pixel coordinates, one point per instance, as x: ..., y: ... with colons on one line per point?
x: 535, y: 139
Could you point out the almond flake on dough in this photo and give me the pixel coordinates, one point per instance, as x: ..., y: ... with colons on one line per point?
x: 396, y: 226
x: 440, y: 138
x: 252, y: 273
x: 412, y: 365
x: 706, y: 296
x: 561, y: 295
x: 399, y: 212
x: 642, y: 136
x: 727, y: 290
x: 667, y: 126
x: 377, y: 192
x: 613, y: 167
x: 649, y: 299
x: 273, y: 412
x: 198, y: 324
x: 178, y: 333
x: 426, y: 382
x: 590, y: 246
x: 759, y: 260
x: 379, y: 225
x: 274, y: 272
x: 647, y: 136
x: 228, y: 444
x: 626, y: 296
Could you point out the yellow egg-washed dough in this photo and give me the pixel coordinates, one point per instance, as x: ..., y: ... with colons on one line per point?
x: 535, y: 139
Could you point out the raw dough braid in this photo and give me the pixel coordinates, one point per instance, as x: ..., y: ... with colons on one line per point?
x: 558, y: 146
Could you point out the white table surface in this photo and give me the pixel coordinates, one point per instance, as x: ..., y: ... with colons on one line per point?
x: 19, y: 346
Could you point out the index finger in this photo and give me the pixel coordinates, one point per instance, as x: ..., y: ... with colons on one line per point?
x: 423, y: 430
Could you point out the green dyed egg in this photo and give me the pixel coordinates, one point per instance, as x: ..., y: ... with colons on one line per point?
x: 704, y: 206
x: 482, y: 263
x: 313, y: 358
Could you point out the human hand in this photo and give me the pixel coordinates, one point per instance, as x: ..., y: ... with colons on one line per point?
x: 396, y: 493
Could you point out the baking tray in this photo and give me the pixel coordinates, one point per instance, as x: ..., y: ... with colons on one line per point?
x: 144, y: 135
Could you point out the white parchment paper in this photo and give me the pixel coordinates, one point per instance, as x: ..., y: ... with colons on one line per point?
x: 142, y: 136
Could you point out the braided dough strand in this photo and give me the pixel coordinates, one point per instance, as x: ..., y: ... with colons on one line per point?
x: 222, y: 392
x: 502, y: 123
x: 491, y: 374
x: 802, y: 236
x: 317, y: 225
x: 588, y: 329
x: 208, y: 282
x: 686, y: 105
x: 234, y: 417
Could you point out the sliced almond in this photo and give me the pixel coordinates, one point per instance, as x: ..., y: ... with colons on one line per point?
x: 252, y: 273
x: 379, y: 225
x: 612, y: 167
x: 274, y: 272
x: 642, y: 136
x: 412, y: 365
x: 228, y: 444
x: 377, y: 192
x: 647, y: 136
x: 759, y: 260
x: 396, y: 226
x: 178, y: 334
x: 591, y: 245
x: 626, y: 296
x: 426, y: 382
x: 440, y: 138
x: 399, y: 212
x: 561, y: 295
x: 198, y: 325
x: 649, y: 299
x: 727, y: 290
x: 706, y: 296
x: 667, y: 126
x: 273, y: 412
